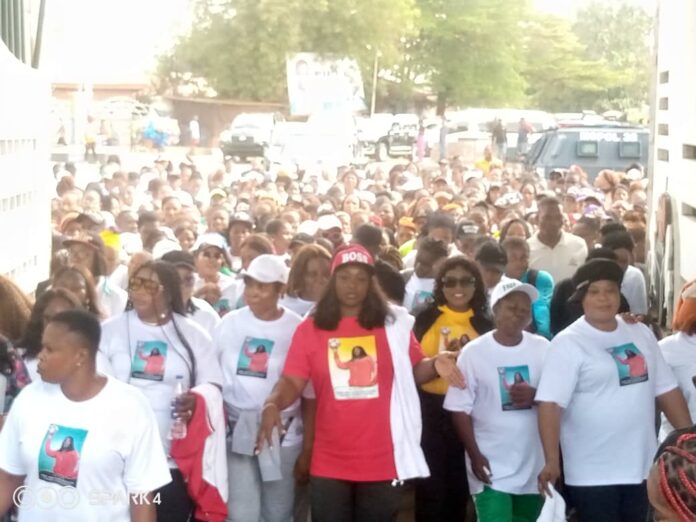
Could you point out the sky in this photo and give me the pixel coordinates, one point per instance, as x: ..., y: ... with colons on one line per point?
x: 116, y: 41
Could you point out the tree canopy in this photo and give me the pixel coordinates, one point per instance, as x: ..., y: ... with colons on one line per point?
x: 465, y: 53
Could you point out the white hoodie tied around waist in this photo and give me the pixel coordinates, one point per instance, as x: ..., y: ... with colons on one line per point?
x: 405, y: 412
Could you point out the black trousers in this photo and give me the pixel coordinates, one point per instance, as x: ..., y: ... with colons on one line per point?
x: 616, y: 503
x: 174, y: 503
x: 443, y: 496
x: 344, y: 501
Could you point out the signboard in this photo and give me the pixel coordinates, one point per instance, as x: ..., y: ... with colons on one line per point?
x: 317, y: 84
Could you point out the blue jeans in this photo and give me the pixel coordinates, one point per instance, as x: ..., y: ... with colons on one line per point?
x: 615, y: 503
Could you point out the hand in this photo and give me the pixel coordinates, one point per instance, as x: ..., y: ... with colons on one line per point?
x: 302, y: 467
x: 210, y: 292
x: 184, y: 406
x: 522, y: 395
x: 630, y: 318
x: 481, y: 468
x: 270, y: 420
x: 549, y: 475
x: 446, y: 367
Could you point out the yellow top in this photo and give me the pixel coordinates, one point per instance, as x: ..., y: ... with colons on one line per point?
x: 446, y: 331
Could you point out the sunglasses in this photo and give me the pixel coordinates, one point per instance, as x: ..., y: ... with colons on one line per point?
x: 452, y: 282
x: 150, y: 286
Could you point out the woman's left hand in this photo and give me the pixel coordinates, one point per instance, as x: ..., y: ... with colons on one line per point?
x: 185, y: 405
x: 446, y: 367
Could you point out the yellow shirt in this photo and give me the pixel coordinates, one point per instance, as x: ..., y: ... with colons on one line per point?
x: 447, y: 330
x: 483, y: 165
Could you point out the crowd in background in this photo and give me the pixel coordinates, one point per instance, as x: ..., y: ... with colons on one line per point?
x: 458, y: 325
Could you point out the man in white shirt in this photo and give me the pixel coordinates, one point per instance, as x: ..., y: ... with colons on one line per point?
x: 552, y: 249
x: 633, y: 284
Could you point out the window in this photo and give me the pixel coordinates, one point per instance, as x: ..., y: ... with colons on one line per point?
x: 588, y: 149
x: 629, y: 149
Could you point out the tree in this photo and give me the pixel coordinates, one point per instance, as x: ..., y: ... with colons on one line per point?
x: 240, y: 46
x: 619, y: 34
x: 558, y: 77
x: 470, y: 51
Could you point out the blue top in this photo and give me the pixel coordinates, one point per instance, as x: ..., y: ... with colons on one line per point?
x: 541, y: 308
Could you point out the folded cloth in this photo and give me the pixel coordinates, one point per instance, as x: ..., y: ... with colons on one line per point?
x: 554, y: 508
x: 244, y: 433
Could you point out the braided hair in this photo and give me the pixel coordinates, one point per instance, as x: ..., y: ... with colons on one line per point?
x: 677, y: 469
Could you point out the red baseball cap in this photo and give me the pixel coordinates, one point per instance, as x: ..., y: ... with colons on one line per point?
x: 352, y: 255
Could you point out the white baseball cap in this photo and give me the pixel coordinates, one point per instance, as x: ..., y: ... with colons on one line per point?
x: 328, y: 221
x: 508, y: 286
x: 268, y: 268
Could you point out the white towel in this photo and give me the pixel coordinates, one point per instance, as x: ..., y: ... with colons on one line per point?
x: 554, y: 508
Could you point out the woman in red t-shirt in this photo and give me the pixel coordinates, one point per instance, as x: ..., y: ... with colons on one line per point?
x: 364, y: 415
x: 67, y: 458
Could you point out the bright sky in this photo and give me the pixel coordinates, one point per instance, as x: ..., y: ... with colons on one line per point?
x: 117, y: 40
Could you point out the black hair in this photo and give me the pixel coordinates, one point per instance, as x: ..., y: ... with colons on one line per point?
x: 506, y: 228
x: 548, y: 201
x: 171, y: 282
x: 147, y: 218
x: 602, y: 253
x: 433, y: 246
x: 373, y: 312
x: 588, y: 221
x: 83, y: 323
x: 616, y: 240
x: 479, y: 301
x: 31, y: 340
x: 612, y: 226
x: 274, y: 226
x: 439, y: 220
x: 7, y: 363
x: 390, y: 281
x: 515, y: 243
x: 368, y: 236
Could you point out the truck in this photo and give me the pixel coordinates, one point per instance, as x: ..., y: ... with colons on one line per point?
x: 26, y: 180
x: 671, y: 232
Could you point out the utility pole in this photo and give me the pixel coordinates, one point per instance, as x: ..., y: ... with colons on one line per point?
x: 374, y: 84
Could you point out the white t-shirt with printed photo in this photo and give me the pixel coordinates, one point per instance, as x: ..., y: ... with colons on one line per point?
x: 151, y: 356
x: 419, y: 292
x: 679, y: 351
x: 506, y: 435
x: 225, y: 304
x: 252, y: 354
x: 606, y: 383
x: 298, y: 305
x: 106, y: 448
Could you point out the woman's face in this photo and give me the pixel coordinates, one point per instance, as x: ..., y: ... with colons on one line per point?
x: 517, y: 230
x: 426, y: 264
x: 518, y: 262
x: 513, y: 313
x: 248, y: 254
x: 352, y: 284
x: 75, y: 283
x: 209, y: 261
x: 316, y: 277
x: 186, y: 239
x: 528, y: 195
x: 351, y: 204
x: 405, y: 234
x: 82, y: 256
x: 458, y: 286
x: 601, y: 302
x: 386, y: 214
x: 260, y: 297
x: 188, y: 279
x: 237, y: 234
x: 170, y: 211
x: 218, y: 220
x: 147, y: 294
x: 60, y: 354
x: 55, y: 306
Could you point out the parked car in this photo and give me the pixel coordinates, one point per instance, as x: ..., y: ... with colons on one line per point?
x: 593, y: 148
x: 387, y: 136
x: 249, y: 134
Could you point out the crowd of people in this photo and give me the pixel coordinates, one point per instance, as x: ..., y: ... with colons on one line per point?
x: 248, y: 345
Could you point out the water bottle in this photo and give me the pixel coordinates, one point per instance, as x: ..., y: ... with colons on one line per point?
x: 178, y: 428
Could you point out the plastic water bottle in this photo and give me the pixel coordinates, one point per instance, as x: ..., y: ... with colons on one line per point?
x: 178, y: 428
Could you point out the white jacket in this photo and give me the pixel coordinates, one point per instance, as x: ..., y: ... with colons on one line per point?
x: 405, y: 412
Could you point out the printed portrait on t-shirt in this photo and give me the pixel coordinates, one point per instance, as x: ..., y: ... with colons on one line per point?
x: 353, y: 367
x: 222, y: 307
x: 59, y: 457
x: 452, y: 339
x: 509, y: 376
x: 422, y: 298
x: 149, y: 360
x: 254, y: 356
x: 630, y: 363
